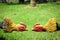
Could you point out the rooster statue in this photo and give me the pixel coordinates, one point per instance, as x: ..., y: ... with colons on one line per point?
x: 9, y: 26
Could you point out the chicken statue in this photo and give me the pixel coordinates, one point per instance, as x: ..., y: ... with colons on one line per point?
x: 9, y: 26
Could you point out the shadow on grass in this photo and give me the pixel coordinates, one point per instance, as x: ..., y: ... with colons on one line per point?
x: 2, y: 38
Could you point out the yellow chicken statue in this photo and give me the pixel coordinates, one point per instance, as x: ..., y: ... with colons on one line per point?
x: 9, y: 26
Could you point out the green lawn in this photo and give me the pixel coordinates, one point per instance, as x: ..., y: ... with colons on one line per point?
x: 30, y: 16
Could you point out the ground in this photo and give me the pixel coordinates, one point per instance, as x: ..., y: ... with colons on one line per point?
x: 30, y: 16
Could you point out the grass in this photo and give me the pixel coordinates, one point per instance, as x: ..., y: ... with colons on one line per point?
x: 30, y: 16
